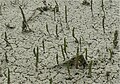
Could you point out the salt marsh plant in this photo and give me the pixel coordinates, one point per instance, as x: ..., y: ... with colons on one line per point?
x: 8, y: 76
x: 43, y: 45
x: 63, y: 52
x: 65, y: 46
x: 66, y: 14
x: 56, y: 9
x: 25, y: 26
x: 6, y: 57
x: 107, y: 75
x: 77, y: 59
x: 73, y: 34
x: 6, y: 40
x: 51, y: 81
x: 111, y: 54
x: 90, y: 68
x: 57, y: 59
x: 56, y: 6
x: 103, y: 23
x: 103, y: 17
x: 91, y: 7
x: 47, y: 28
x: 0, y: 9
x: 80, y: 44
x: 36, y: 54
x: 115, y: 40
x: 68, y: 68
x: 57, y: 31
x: 86, y: 53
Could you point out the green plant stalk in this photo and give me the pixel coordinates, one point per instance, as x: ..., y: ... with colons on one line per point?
x: 65, y: 46
x: 90, y: 68
x: 92, y: 7
x: 66, y: 14
x: 111, y: 52
x: 0, y: 10
x: 57, y: 30
x: 57, y: 59
x: 6, y: 57
x: 56, y: 6
x: 37, y: 59
x: 73, y: 34
x: 43, y: 44
x: 77, y: 58
x: 63, y: 53
x: 103, y: 24
x: 80, y: 45
x: 103, y: 18
x: 47, y: 28
x: 34, y: 52
x: 115, y: 42
x: 8, y: 80
x: 86, y: 53
x: 51, y: 81
x: 68, y: 68
x: 54, y: 13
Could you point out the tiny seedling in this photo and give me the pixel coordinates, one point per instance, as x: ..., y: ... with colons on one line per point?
x: 25, y: 26
x: 47, y: 28
x: 107, y: 75
x: 115, y: 41
x: 43, y: 45
x: 56, y: 6
x: 77, y: 59
x: 65, y: 46
x: 111, y: 54
x: 73, y: 34
x: 66, y: 14
x: 92, y: 7
x: 80, y: 44
x: 103, y: 23
x: 68, y: 68
x: 8, y: 79
x: 51, y: 81
x: 63, y: 53
x: 103, y: 18
x: 90, y: 69
x: 36, y: 54
x: 54, y: 14
x: 57, y: 59
x: 57, y: 30
x: 86, y: 53
x: 0, y: 9
x: 6, y: 57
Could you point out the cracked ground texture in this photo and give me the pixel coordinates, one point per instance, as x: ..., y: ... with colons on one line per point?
x: 20, y: 56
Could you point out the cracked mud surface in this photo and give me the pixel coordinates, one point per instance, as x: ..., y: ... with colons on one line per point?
x: 21, y: 59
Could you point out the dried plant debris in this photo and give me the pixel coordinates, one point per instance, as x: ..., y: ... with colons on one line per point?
x: 72, y: 62
x: 48, y: 7
x: 85, y: 2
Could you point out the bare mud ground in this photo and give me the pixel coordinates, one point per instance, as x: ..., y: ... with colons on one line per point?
x: 96, y: 31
